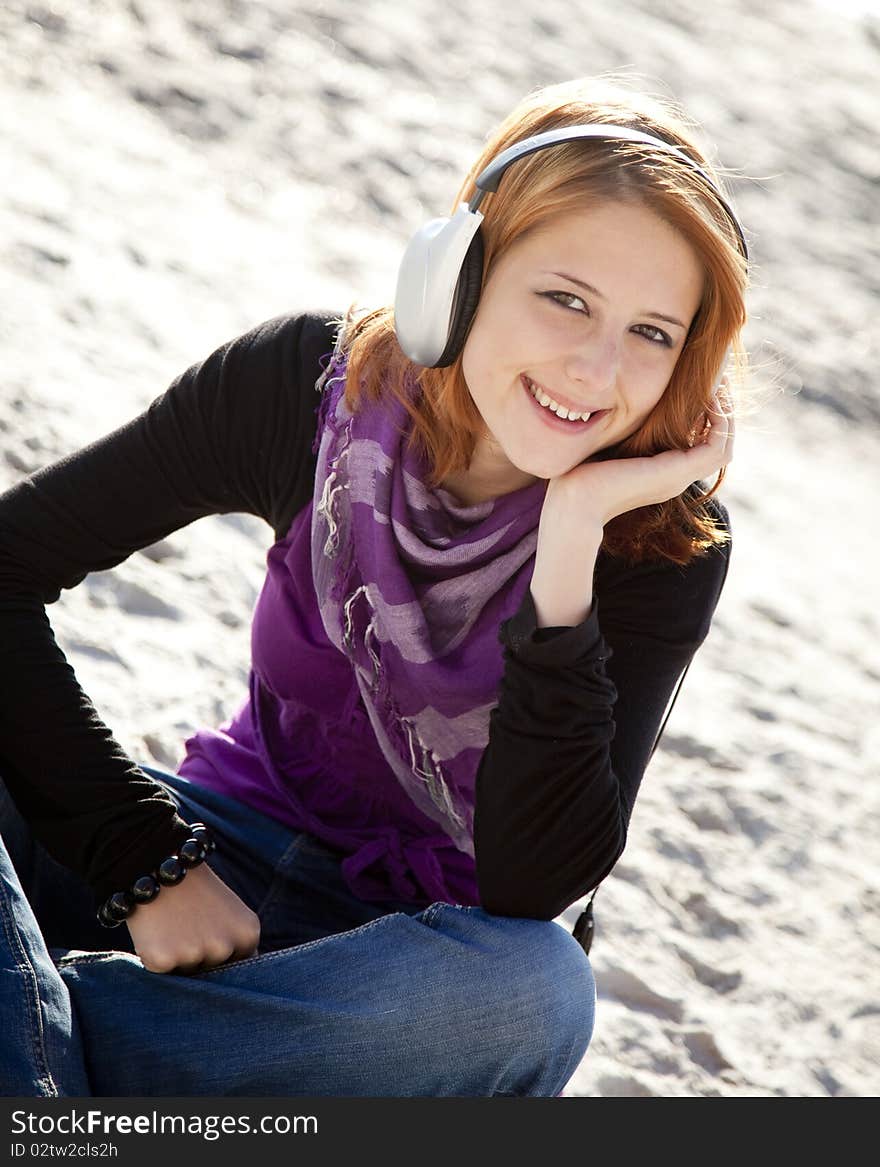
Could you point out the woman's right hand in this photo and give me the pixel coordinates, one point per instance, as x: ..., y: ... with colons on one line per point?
x: 579, y: 503
x: 193, y: 926
x: 601, y: 491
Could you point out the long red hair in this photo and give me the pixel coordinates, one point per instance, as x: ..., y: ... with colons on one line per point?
x: 551, y: 183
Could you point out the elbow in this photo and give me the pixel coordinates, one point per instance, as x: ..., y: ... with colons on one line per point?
x: 543, y: 890
x: 510, y: 901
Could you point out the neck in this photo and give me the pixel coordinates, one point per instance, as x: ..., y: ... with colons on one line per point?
x: 488, y: 475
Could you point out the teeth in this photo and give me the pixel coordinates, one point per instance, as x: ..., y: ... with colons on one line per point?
x: 544, y: 398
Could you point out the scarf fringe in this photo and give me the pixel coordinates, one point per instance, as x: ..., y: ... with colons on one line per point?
x: 429, y: 770
x: 425, y: 765
x: 327, y: 509
x: 357, y: 631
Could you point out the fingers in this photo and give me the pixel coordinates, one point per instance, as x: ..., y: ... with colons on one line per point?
x: 723, y: 409
x: 201, y: 925
x: 199, y: 954
x: 245, y: 948
x: 202, y: 964
x: 719, y: 433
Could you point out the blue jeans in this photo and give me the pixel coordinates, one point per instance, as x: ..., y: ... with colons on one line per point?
x: 344, y: 997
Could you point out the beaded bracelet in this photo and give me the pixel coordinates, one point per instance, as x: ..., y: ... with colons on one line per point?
x: 195, y: 850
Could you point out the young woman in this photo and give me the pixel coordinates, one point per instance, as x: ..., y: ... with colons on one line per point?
x: 495, y: 555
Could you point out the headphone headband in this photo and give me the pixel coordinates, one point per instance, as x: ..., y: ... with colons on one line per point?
x: 487, y: 180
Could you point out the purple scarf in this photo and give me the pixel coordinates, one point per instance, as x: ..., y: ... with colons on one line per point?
x: 412, y: 587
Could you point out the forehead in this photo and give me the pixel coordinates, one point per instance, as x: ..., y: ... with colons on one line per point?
x: 613, y: 245
x: 611, y: 222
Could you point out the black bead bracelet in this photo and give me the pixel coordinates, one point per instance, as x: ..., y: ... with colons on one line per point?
x: 117, y: 908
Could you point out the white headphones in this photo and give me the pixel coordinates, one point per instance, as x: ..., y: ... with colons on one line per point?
x: 438, y: 283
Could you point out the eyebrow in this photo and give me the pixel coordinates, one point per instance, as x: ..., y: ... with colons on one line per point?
x: 589, y: 288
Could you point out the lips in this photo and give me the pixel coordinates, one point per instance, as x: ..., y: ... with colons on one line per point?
x: 537, y: 393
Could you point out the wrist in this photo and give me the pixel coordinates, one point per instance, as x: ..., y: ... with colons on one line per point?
x: 562, y: 580
x: 119, y: 906
x: 560, y: 612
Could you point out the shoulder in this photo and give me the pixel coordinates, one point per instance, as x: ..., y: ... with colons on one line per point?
x: 262, y: 376
x: 296, y: 340
x: 306, y: 328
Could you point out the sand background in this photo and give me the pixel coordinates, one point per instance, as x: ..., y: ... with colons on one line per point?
x: 175, y: 173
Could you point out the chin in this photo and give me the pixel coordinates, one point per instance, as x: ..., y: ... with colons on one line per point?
x: 546, y: 468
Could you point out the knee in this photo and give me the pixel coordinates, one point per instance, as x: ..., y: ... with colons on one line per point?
x: 548, y: 976
x: 536, y: 989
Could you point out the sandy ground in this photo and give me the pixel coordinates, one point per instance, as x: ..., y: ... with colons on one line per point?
x: 175, y: 173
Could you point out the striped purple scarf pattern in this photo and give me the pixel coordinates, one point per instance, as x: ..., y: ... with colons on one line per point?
x: 412, y: 587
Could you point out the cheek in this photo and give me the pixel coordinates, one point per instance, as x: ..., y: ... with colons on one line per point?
x: 650, y: 384
x: 650, y: 402
x: 489, y: 337
x: 476, y: 364
x: 468, y: 371
x: 647, y: 407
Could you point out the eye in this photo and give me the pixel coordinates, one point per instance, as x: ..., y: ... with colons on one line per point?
x: 559, y: 297
x: 649, y: 331
x: 655, y: 335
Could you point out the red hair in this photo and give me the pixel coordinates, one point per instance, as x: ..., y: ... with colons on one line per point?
x: 549, y: 184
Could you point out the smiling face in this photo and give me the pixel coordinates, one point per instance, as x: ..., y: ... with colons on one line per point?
x: 574, y: 341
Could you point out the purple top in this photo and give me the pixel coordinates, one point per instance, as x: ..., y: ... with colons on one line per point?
x: 376, y: 660
x: 280, y: 754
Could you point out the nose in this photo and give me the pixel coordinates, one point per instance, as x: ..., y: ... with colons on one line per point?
x: 592, y: 368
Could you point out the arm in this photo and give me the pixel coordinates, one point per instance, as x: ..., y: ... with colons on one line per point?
x: 578, y: 712
x: 570, y: 739
x: 233, y: 433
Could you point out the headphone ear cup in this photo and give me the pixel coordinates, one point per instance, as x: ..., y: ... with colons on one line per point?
x: 464, y: 305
